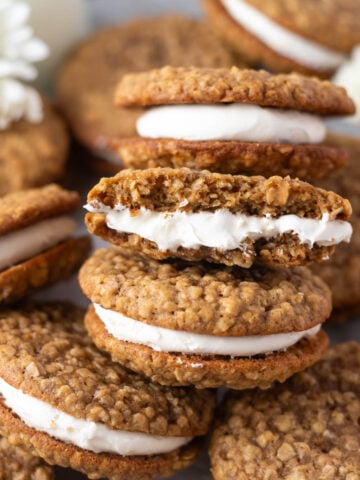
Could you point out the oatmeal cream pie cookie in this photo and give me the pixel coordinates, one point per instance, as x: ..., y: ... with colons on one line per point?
x: 17, y: 463
x: 235, y: 220
x: 232, y: 121
x: 88, y: 78
x: 36, y: 248
x: 306, y: 428
x: 33, y: 153
x: 201, y: 324
x: 73, y: 406
x: 312, y: 37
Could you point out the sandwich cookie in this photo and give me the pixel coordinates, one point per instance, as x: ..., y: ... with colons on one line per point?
x: 16, y: 463
x: 235, y: 220
x: 204, y: 324
x: 342, y: 271
x: 88, y: 79
x: 36, y: 244
x: 302, y: 35
x: 33, y: 153
x: 232, y: 121
x: 304, y: 429
x: 74, y: 407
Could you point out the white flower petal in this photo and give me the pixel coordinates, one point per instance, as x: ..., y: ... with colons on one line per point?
x: 18, y: 101
x: 17, y: 69
x: 13, y: 14
x: 35, y: 50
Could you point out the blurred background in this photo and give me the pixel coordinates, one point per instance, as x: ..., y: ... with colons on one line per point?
x: 109, y: 11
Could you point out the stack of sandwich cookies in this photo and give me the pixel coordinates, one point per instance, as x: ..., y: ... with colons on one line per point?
x: 302, y: 35
x: 36, y: 244
x: 233, y: 220
x: 17, y: 463
x: 201, y: 324
x: 232, y: 121
x: 190, y: 295
x: 86, y: 93
x: 70, y: 404
x: 304, y: 429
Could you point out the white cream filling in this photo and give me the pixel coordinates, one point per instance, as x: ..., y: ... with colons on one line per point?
x: 85, y: 434
x: 235, y: 121
x: 166, y: 340
x: 220, y: 229
x: 283, y: 41
x: 25, y: 243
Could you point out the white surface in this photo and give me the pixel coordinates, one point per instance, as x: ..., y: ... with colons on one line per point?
x: 236, y: 121
x: 281, y: 40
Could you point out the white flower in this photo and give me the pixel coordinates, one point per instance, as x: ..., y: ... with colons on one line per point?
x: 18, y: 101
x: 19, y: 49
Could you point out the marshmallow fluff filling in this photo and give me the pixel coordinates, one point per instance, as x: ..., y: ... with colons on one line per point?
x: 283, y: 41
x: 166, y: 340
x: 96, y: 437
x: 235, y: 121
x: 220, y: 229
x: 23, y: 244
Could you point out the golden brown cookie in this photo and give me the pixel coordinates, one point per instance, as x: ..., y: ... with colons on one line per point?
x: 306, y: 428
x: 334, y: 25
x: 21, y: 209
x: 342, y: 271
x: 342, y: 16
x: 47, y: 356
x: 235, y: 220
x: 33, y: 154
x: 36, y: 248
x: 234, y: 157
x: 86, y: 93
x: 286, y: 299
x: 202, y: 324
x: 170, y: 85
x: 16, y: 463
